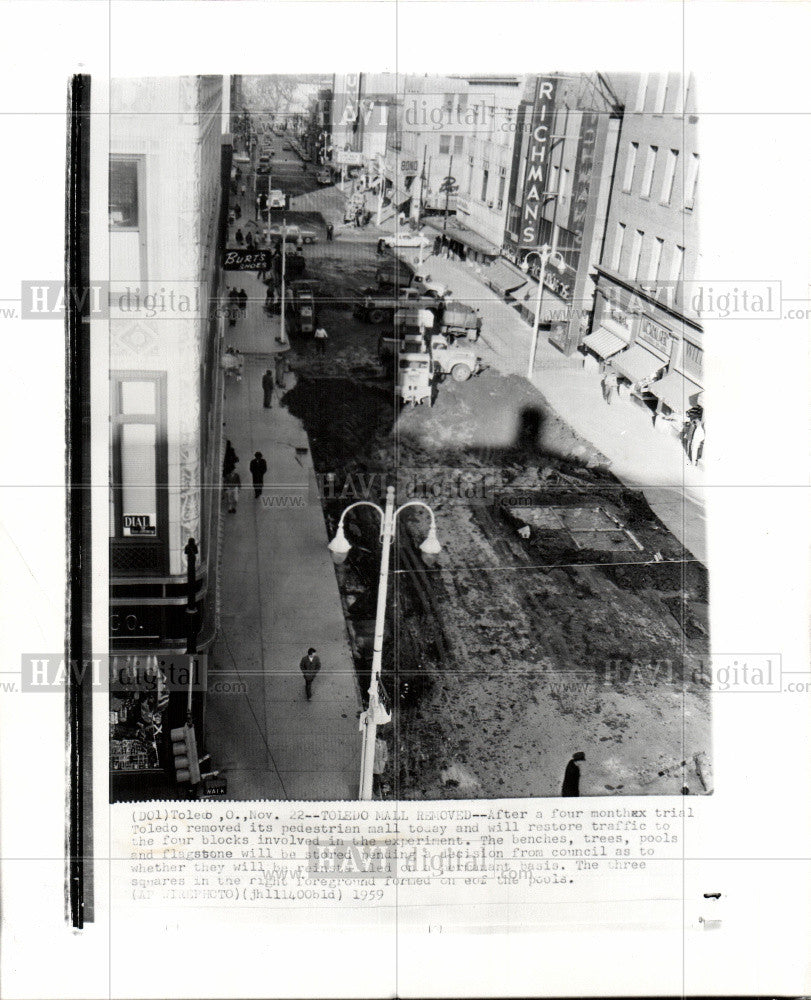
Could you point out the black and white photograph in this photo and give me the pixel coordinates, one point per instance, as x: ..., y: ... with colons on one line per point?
x: 408, y: 426
x: 404, y: 516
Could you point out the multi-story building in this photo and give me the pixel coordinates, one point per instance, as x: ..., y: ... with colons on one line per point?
x: 483, y: 144
x: 644, y: 326
x: 169, y: 168
x: 558, y: 194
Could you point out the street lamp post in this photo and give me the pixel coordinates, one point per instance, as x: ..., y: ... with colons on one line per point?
x: 339, y: 547
x: 544, y: 252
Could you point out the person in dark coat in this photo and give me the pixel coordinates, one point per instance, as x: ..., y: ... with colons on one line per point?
x: 249, y: 240
x: 239, y: 237
x: 309, y: 666
x: 267, y: 386
x: 571, y: 778
x: 437, y: 245
x: 330, y: 231
x: 381, y: 246
x: 230, y: 459
x: 237, y: 211
x: 281, y: 370
x: 258, y: 468
x: 243, y: 301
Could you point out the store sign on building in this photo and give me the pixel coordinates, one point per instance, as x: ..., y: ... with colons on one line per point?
x: 247, y: 260
x: 348, y: 158
x: 537, y: 163
x: 409, y: 166
x: 656, y: 335
x: 583, y: 170
x: 139, y: 525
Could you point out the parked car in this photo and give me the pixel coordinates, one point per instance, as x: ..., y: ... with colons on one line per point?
x: 293, y: 234
x: 277, y: 198
x: 405, y: 238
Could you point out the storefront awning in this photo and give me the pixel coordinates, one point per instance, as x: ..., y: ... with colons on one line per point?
x: 604, y: 343
x: 678, y: 392
x: 637, y: 364
x: 456, y: 230
x: 505, y: 277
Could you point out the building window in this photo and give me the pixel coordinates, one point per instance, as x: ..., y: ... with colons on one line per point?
x: 485, y: 180
x: 641, y: 92
x: 124, y: 194
x: 677, y: 276
x: 636, y: 254
x: 502, y: 183
x: 692, y: 358
x: 670, y: 175
x: 678, y: 94
x: 619, y: 243
x: 655, y: 261
x: 444, y: 144
x: 661, y: 94
x: 691, y: 183
x: 458, y: 143
x: 138, y: 464
x: 647, y: 176
x: 630, y: 166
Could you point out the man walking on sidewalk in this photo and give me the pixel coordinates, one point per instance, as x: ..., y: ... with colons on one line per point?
x: 309, y: 666
x: 321, y: 340
x: 258, y: 469
x: 267, y: 388
x: 232, y: 483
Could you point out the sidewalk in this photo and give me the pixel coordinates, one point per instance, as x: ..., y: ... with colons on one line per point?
x: 279, y: 596
x: 641, y: 456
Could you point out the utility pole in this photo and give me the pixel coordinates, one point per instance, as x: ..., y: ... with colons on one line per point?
x: 282, y: 338
x: 448, y: 182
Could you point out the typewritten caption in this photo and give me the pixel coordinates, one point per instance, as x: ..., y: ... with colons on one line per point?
x: 368, y: 854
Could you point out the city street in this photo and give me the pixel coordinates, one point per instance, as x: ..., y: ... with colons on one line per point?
x: 526, y: 642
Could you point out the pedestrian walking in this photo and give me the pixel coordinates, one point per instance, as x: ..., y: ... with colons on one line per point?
x: 299, y: 243
x: 571, y: 777
x: 249, y: 240
x: 230, y: 459
x: 243, y: 302
x: 437, y: 245
x: 321, y: 337
x: 232, y: 483
x: 330, y: 231
x: 358, y: 217
x: 381, y: 246
x: 609, y: 384
x: 258, y: 469
x: 267, y: 387
x: 239, y: 237
x: 238, y: 211
x: 281, y: 370
x: 696, y: 446
x: 309, y: 666
x: 243, y: 189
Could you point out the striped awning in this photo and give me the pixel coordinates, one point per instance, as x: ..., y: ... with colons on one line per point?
x: 637, y: 364
x: 604, y: 343
x: 505, y: 277
x: 678, y: 392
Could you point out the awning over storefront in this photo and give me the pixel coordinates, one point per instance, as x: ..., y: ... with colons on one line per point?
x: 505, y: 277
x: 637, y: 364
x: 604, y: 343
x: 458, y: 231
x: 554, y: 309
x: 678, y: 392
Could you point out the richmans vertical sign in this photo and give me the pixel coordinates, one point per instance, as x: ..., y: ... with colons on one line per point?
x: 538, y: 151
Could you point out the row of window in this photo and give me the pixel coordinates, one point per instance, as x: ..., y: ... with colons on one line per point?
x: 657, y: 269
x: 668, y: 174
x: 445, y: 143
x: 485, y: 182
x: 660, y: 95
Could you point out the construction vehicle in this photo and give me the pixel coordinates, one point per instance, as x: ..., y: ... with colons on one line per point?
x: 453, y: 320
x: 378, y: 307
x: 445, y: 356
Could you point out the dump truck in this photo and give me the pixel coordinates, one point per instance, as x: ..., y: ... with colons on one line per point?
x: 453, y: 320
x: 446, y: 357
x: 376, y: 306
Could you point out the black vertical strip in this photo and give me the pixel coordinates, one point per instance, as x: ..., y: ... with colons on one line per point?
x: 79, y: 499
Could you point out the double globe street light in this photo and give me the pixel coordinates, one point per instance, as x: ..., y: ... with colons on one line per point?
x: 339, y: 547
